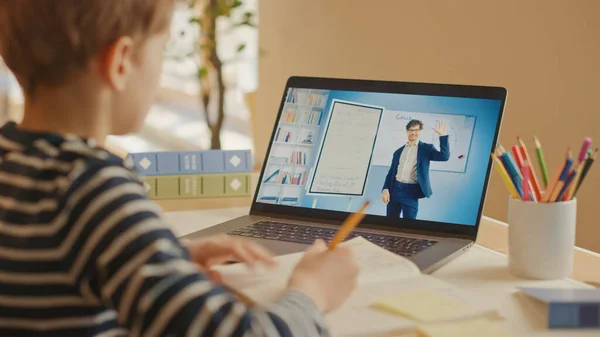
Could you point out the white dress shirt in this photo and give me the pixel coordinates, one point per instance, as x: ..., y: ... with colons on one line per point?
x: 407, y: 167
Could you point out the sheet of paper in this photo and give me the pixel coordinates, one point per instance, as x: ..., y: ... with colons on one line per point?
x: 424, y: 306
x: 426, y: 299
x: 476, y: 327
x: 376, y: 265
x: 366, y: 322
x: 356, y: 318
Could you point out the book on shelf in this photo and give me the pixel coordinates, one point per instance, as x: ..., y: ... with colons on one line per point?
x: 289, y: 117
x: 283, y: 136
x: 299, y: 158
x: 284, y: 178
x: 191, y: 186
x: 287, y: 178
x: 271, y: 177
x: 312, y: 118
x: 316, y: 100
x: 191, y: 162
x: 289, y: 200
x: 292, y: 96
x: 269, y: 199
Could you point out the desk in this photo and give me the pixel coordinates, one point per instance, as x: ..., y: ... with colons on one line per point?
x: 481, y: 270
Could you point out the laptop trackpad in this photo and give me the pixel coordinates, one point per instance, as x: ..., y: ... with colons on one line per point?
x: 281, y: 247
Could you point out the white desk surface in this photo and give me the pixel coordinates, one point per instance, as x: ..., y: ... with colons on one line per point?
x: 481, y: 271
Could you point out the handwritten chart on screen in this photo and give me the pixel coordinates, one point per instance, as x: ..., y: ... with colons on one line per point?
x: 392, y: 136
x: 344, y: 158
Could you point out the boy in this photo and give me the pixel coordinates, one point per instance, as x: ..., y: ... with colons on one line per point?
x: 82, y: 250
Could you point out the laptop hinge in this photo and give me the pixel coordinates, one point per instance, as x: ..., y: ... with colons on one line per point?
x: 366, y: 226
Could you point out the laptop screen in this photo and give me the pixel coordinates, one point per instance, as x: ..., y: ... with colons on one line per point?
x: 412, y: 156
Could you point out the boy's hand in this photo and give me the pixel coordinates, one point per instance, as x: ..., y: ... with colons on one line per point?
x: 218, y: 249
x: 326, y: 276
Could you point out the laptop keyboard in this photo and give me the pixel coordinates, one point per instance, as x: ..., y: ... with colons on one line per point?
x: 280, y: 231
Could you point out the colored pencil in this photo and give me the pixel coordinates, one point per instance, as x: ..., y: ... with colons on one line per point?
x: 348, y: 226
x: 542, y: 161
x: 513, y: 172
x: 537, y: 189
x: 563, y: 193
x: 516, y: 150
x: 505, y: 177
x: 563, y: 178
x: 512, y: 167
x: 586, y: 169
x: 526, y: 171
x: 583, y: 153
x: 553, y: 182
x: 520, y: 161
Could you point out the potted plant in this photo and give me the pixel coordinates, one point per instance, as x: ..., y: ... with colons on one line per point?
x: 207, y: 15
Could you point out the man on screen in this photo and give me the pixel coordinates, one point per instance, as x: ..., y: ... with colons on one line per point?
x: 408, y: 178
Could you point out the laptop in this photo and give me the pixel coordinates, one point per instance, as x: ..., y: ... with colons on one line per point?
x: 419, y: 152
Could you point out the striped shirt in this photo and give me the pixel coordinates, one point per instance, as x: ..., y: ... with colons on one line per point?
x: 83, y: 252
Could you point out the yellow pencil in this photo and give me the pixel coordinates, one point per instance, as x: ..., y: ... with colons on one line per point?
x: 506, y: 178
x: 348, y: 226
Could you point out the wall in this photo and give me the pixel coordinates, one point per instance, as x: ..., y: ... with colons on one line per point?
x: 545, y: 52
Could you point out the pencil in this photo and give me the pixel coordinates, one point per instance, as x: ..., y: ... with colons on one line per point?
x: 513, y: 172
x: 537, y: 189
x: 586, y: 169
x: 583, y: 153
x: 554, y: 182
x: 571, y: 191
x: 525, y: 170
x: 520, y: 160
x: 348, y: 226
x: 518, y: 156
x: 563, y: 193
x: 542, y: 161
x: 505, y: 178
x: 563, y: 178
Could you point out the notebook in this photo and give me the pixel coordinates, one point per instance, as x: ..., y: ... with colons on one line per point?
x: 378, y: 307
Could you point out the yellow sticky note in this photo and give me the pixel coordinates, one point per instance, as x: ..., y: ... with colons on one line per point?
x: 475, y: 327
x: 423, y: 306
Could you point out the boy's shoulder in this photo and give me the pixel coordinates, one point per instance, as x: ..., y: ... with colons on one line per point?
x: 92, y: 159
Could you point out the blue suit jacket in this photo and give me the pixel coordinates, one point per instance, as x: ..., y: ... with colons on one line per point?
x: 426, y: 154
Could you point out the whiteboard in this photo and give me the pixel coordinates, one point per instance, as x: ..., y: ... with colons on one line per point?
x: 392, y: 136
x: 345, y: 152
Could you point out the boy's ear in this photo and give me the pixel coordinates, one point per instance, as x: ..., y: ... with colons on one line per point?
x: 118, y: 62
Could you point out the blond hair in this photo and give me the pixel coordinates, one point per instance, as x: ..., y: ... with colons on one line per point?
x: 45, y: 42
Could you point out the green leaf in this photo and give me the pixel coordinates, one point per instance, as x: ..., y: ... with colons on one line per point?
x: 236, y: 4
x: 196, y: 20
x: 241, y: 47
x: 223, y: 8
x: 202, y: 72
x: 244, y: 23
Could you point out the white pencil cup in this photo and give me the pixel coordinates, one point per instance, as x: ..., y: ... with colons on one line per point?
x: 541, y: 239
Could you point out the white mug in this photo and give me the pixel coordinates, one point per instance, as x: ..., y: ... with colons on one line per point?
x: 541, y: 239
